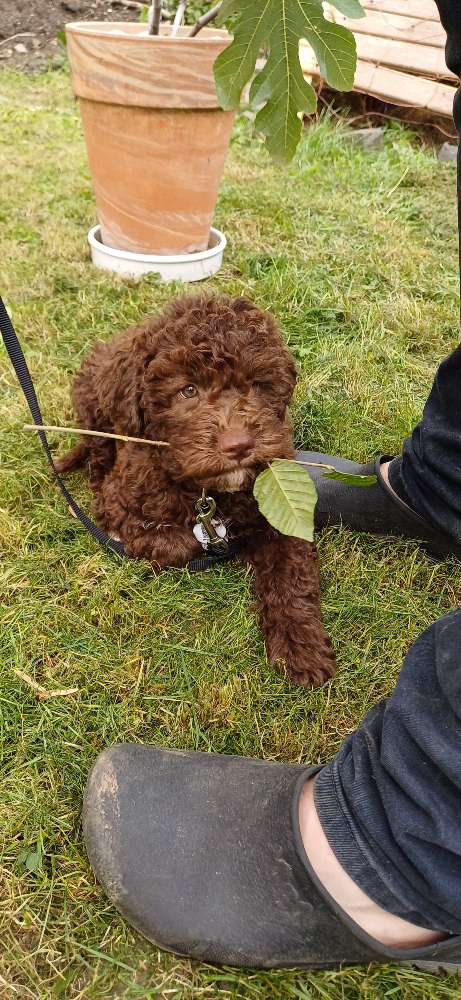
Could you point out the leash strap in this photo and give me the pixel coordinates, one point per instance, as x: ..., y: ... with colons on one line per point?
x: 19, y: 363
x: 208, y: 559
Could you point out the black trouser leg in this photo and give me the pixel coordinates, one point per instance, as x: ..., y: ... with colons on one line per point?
x: 390, y: 801
x: 428, y: 473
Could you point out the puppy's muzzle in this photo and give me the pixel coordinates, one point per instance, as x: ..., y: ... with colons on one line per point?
x: 237, y: 445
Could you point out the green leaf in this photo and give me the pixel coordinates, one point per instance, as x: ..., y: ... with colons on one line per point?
x: 351, y: 479
x: 286, y: 496
x: 235, y: 65
x: 22, y: 856
x: 336, y: 51
x: 30, y: 859
x: 34, y: 860
x: 280, y: 87
x: 350, y: 8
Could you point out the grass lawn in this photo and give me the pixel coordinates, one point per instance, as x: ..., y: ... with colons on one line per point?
x: 356, y: 255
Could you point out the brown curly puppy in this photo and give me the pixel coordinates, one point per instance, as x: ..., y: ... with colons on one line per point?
x: 213, y: 378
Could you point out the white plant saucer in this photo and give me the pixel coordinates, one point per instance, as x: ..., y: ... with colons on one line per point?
x: 169, y: 267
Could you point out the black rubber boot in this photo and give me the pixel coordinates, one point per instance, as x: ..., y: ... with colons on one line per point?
x: 375, y: 509
x: 202, y: 853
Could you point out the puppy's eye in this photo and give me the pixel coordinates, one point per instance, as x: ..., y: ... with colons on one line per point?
x: 189, y: 391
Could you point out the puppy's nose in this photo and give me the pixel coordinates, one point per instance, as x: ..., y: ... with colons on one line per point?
x: 237, y: 444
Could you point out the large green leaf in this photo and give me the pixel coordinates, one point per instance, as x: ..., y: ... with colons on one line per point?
x: 286, y: 496
x: 280, y: 87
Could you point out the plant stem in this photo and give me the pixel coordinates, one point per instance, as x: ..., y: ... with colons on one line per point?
x: 155, y: 14
x: 316, y: 465
x: 205, y: 19
x: 100, y: 434
x: 179, y: 16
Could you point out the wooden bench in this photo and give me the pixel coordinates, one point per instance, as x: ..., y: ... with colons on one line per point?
x: 401, y: 57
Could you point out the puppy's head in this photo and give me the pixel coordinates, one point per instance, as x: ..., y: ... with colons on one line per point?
x: 217, y: 387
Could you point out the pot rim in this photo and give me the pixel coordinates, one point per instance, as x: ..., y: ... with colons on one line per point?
x: 157, y: 258
x: 105, y: 29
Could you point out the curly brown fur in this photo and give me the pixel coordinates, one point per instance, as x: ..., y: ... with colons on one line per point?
x: 220, y: 438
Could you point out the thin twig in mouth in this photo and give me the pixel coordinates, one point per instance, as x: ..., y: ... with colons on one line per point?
x: 158, y: 444
x: 103, y: 434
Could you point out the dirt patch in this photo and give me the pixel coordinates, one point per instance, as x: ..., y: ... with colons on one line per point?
x: 28, y: 30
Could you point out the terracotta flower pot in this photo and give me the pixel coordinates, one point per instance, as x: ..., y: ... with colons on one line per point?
x: 155, y: 135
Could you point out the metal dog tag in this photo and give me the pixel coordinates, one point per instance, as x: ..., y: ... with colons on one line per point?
x: 210, y: 531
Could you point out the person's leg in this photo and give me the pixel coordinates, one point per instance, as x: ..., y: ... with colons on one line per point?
x: 226, y: 859
x: 426, y: 477
x: 374, y: 919
x: 384, y: 816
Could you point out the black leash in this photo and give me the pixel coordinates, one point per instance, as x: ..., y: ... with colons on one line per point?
x: 18, y: 361
x: 208, y: 559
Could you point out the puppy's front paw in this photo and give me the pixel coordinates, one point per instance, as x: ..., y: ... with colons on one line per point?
x: 309, y: 661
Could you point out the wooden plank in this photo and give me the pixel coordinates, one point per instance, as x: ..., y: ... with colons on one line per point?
x: 309, y: 64
x: 406, y: 29
x: 391, y: 85
x: 403, y: 89
x: 422, y: 59
x: 425, y: 10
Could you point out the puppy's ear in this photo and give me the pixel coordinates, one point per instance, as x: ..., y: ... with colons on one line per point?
x: 120, y: 384
x: 286, y: 378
